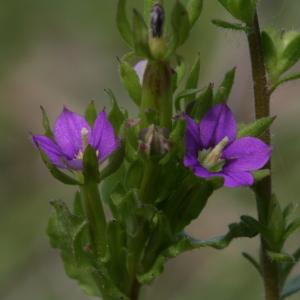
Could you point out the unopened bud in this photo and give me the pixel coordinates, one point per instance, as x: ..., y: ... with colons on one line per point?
x: 154, y: 140
x: 157, y: 21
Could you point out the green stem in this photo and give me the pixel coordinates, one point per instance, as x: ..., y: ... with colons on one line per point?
x: 135, y: 292
x: 95, y: 215
x: 263, y: 189
x: 148, y: 182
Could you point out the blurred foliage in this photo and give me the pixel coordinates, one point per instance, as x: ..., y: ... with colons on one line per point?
x: 63, y: 52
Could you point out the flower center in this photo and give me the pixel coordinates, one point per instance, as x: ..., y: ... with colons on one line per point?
x: 210, y: 159
x: 84, y: 136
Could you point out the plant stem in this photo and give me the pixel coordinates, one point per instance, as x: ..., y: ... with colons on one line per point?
x: 135, y: 292
x: 95, y: 215
x: 148, y: 181
x: 263, y: 189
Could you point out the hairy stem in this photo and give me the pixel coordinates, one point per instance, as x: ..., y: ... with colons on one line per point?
x: 263, y: 189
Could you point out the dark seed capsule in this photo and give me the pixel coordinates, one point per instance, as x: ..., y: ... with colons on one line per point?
x: 157, y: 20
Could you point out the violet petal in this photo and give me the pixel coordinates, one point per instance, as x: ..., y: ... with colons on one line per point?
x: 52, y: 151
x: 237, y: 179
x: 75, y: 164
x: 67, y: 132
x: 204, y: 173
x: 192, y: 136
x: 103, y: 136
x: 247, y: 154
x: 190, y: 161
x: 216, y: 124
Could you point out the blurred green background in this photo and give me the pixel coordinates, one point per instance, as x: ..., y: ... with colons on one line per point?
x: 64, y: 52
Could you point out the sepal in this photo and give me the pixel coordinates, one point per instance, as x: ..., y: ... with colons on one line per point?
x: 116, y: 116
x: 225, y: 88
x: 90, y: 165
x: 46, y: 123
x: 56, y: 173
x: 91, y: 113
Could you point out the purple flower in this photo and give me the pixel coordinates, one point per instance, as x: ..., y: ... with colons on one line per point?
x: 213, y: 150
x: 72, y: 134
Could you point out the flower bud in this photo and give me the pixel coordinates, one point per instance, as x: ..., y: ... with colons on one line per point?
x: 157, y: 43
x: 157, y: 21
x: 154, y: 140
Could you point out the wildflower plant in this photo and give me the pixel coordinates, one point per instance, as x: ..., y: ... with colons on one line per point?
x: 140, y: 181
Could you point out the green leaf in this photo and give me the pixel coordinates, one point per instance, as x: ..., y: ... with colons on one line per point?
x: 134, y: 175
x: 113, y: 162
x: 91, y: 113
x: 243, y: 10
x: 253, y: 262
x: 186, y: 94
x: 179, y: 71
x: 123, y: 23
x: 254, y: 224
x: 201, y: 105
x: 116, y: 116
x: 185, y: 243
x: 285, y: 80
x: 116, y: 265
x: 292, y: 227
x: 193, y: 78
x: 291, y: 53
x: 140, y: 35
x: 276, y: 224
x: 110, y: 184
x: 180, y: 24
x: 257, y: 128
x: 270, y: 51
x: 187, y: 201
x: 281, y: 51
x: 280, y: 257
x: 291, y: 287
x: 225, y: 87
x: 46, y: 123
x: 160, y: 238
x: 90, y: 165
x: 78, y: 209
x: 68, y: 234
x: 232, y: 26
x: 56, y: 173
x: 194, y: 9
x: 131, y: 82
x: 289, y: 209
x: 127, y: 209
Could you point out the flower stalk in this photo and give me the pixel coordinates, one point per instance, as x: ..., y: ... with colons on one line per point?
x: 263, y: 189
